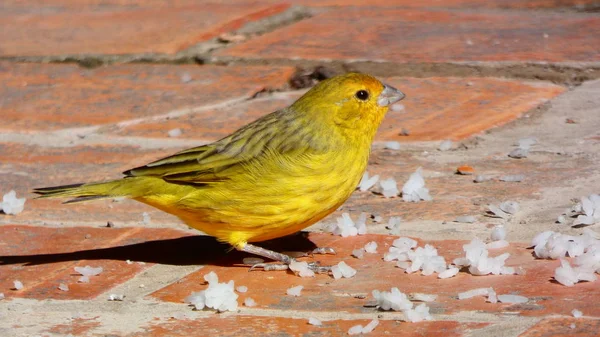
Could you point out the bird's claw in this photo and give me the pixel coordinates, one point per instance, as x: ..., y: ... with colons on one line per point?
x: 314, y: 266
x: 318, y: 268
x: 324, y: 250
x: 269, y: 266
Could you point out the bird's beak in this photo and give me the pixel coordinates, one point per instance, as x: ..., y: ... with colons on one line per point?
x: 389, y: 96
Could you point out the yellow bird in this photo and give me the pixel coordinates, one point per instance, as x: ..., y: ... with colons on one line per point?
x: 271, y: 178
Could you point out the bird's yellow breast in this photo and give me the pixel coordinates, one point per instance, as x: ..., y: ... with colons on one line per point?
x: 266, y: 202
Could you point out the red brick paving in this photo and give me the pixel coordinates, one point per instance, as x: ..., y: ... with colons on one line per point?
x: 434, y: 109
x: 156, y: 27
x: 42, y: 258
x: 77, y: 327
x: 120, y: 92
x: 26, y: 167
x: 213, y: 124
x: 265, y: 326
x: 530, y: 4
x: 402, y: 36
x: 38, y: 98
x: 455, y: 195
x: 564, y: 327
x: 323, y: 293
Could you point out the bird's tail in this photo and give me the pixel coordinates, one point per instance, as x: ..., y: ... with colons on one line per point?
x: 85, y: 192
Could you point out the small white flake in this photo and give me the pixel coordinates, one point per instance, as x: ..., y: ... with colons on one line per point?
x: 301, y: 268
x: 512, y: 299
x: 397, y: 107
x: 498, y: 233
x: 345, y: 226
x: 450, y: 272
x: 218, y: 296
x: 473, y: 292
x: 17, y: 285
x: 145, y: 218
x: 482, y: 178
x: 392, y: 145
x: 394, y: 225
x: 116, y: 297
x: 510, y: 207
x: 241, y: 289
x: 389, y: 188
x: 175, y: 132
x: 342, y: 270
x: 445, y: 145
x: 89, y: 271
x: 492, y: 296
x: 63, y: 287
x: 576, y: 313
x: 355, y: 330
x: 1, y: 296
x: 358, y: 253
x: 10, y: 204
x: 371, y: 247
x: 414, y: 189
x: 371, y: 326
x: 423, y: 297
x: 497, y: 244
x: 466, y: 219
x: 249, y: 302
x: 367, y: 182
x: 314, y: 321
x: 519, y: 153
x: 512, y: 178
x: 186, y: 78
x: 295, y: 291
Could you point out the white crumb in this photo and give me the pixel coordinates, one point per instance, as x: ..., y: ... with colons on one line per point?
x: 11, y: 204
x: 295, y: 291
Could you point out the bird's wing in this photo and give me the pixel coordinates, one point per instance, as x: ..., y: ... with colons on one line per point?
x: 214, y: 162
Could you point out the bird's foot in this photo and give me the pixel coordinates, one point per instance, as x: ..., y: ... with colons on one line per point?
x: 283, y: 259
x: 318, y: 268
x: 269, y: 266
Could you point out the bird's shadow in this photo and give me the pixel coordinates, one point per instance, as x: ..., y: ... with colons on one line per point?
x: 187, y: 250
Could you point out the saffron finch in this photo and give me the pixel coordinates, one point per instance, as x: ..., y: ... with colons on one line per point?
x: 271, y: 178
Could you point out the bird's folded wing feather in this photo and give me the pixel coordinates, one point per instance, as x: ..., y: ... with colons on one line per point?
x: 214, y: 162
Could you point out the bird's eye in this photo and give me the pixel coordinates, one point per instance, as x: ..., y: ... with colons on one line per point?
x: 363, y: 95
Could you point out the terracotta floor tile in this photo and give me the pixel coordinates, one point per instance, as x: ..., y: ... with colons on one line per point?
x: 42, y: 258
x: 269, y: 326
x: 463, y: 4
x: 451, y: 108
x: 119, y: 92
x: 35, y: 28
x: 323, y: 293
x: 26, y: 167
x: 211, y: 125
x: 77, y: 327
x: 403, y: 36
x: 564, y: 327
x: 455, y: 195
x: 434, y: 109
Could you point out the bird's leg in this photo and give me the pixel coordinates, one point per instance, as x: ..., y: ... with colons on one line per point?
x: 284, y: 259
x: 269, y: 254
